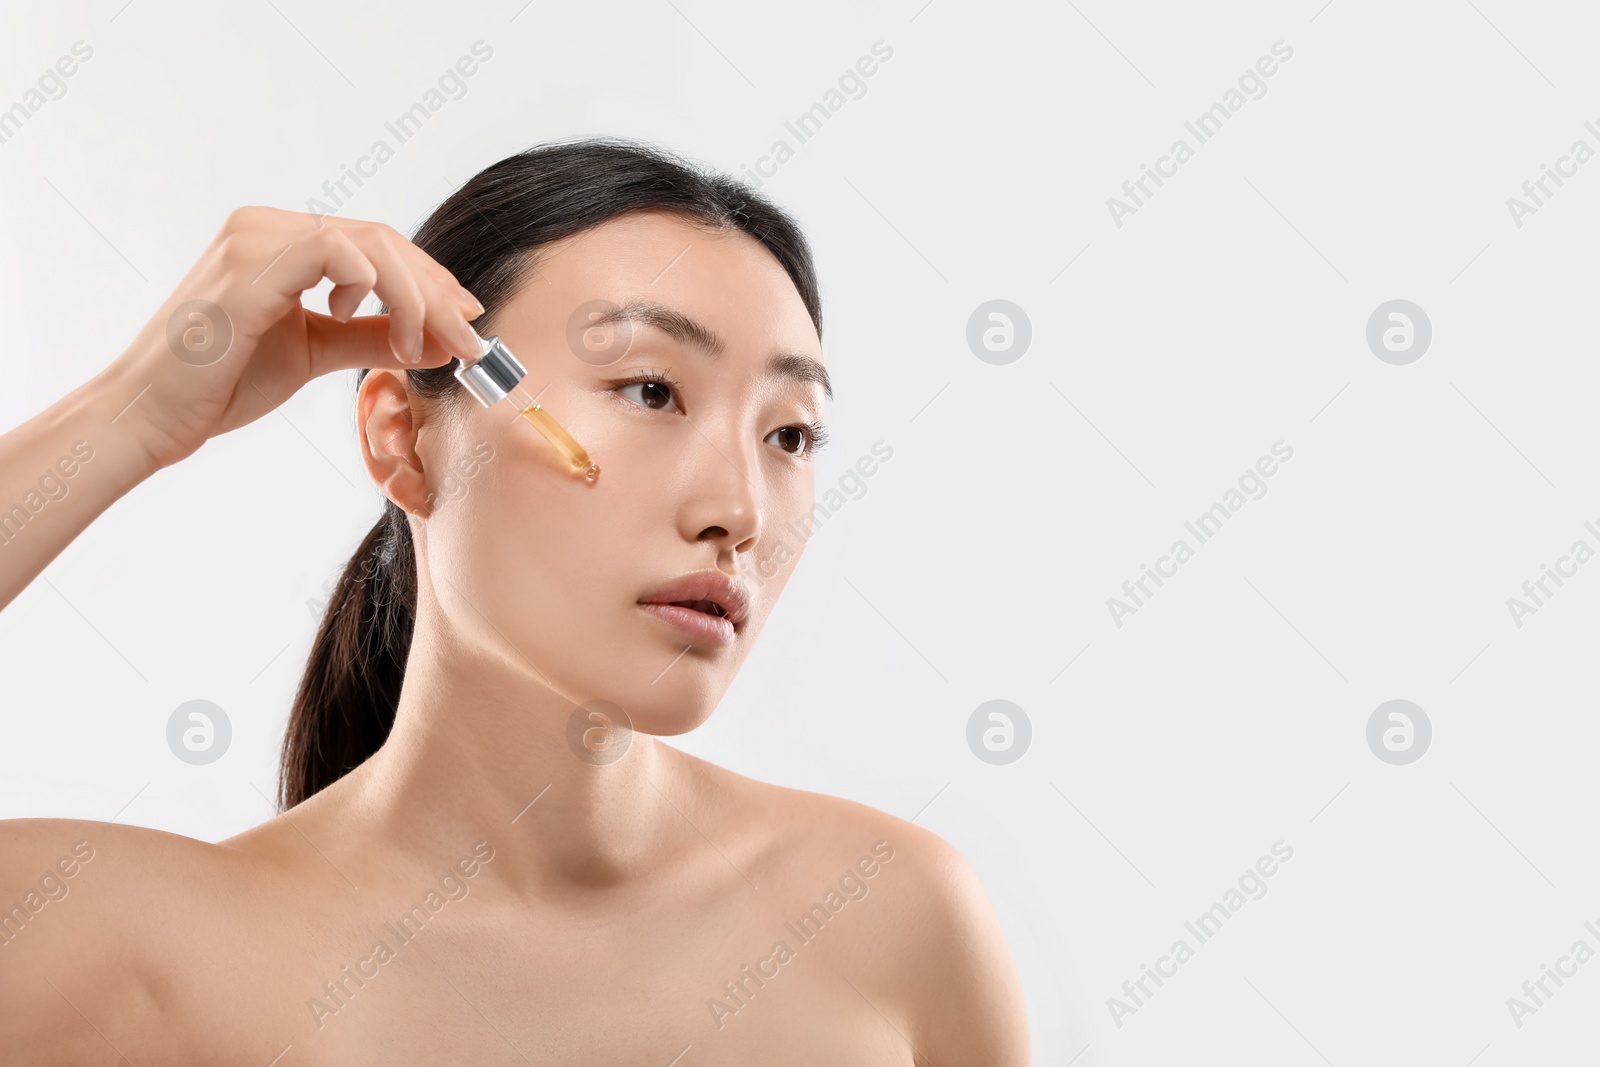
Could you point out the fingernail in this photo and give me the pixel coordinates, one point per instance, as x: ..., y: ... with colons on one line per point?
x: 470, y: 337
x: 414, y: 348
x: 478, y: 307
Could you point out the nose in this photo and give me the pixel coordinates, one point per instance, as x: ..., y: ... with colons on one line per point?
x: 722, y: 503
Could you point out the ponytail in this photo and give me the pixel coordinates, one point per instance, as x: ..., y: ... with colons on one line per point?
x: 348, y: 694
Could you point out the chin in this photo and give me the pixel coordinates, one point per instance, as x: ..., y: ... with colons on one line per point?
x: 669, y: 725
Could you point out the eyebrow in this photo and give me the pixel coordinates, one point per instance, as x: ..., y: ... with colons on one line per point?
x: 681, y: 328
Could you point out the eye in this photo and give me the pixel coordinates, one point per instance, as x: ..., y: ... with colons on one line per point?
x: 656, y: 391
x: 807, y: 439
x: 790, y: 434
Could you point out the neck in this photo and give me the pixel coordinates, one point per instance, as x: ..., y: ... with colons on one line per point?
x: 480, y: 751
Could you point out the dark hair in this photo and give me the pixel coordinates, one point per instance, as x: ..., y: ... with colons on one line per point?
x: 488, y: 234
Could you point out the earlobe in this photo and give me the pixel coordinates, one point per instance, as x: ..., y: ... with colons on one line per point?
x: 389, y: 440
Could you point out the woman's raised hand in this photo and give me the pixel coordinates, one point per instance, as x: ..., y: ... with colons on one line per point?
x: 233, y: 342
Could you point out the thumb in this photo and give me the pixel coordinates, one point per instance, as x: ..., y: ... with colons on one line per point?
x: 363, y: 342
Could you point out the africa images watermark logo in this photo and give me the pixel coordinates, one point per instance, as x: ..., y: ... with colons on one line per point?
x: 451, y: 85
x: 851, y: 885
x: 455, y: 884
x: 51, y: 85
x: 1202, y: 128
x: 51, y: 487
x: 1536, y: 991
x: 1531, y: 201
x: 1566, y: 566
x: 1203, y: 528
x: 1251, y: 885
x: 52, y: 887
x: 851, y: 85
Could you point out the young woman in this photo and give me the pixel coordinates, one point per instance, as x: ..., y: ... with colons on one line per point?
x: 485, y: 856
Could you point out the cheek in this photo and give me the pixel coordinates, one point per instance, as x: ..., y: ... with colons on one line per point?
x: 791, y: 522
x: 536, y: 550
x: 522, y: 521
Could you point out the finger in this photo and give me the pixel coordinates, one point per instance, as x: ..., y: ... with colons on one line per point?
x: 397, y: 287
x: 363, y: 342
x: 473, y: 306
x: 278, y: 252
x: 446, y: 316
x: 469, y: 304
x: 285, y: 260
x: 344, y: 300
x: 352, y: 274
x: 339, y: 341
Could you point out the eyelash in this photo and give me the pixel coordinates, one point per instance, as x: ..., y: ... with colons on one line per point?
x: 816, y: 433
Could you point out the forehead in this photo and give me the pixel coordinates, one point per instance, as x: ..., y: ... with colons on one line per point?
x: 724, y: 279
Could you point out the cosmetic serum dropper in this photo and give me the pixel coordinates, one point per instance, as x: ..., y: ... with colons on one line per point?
x: 493, y: 375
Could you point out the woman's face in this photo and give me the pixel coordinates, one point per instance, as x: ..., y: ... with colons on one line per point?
x: 710, y: 472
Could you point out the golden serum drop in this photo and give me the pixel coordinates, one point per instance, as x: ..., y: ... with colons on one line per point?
x: 492, y: 377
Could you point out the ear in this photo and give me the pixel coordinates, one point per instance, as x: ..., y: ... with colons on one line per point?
x: 389, y: 429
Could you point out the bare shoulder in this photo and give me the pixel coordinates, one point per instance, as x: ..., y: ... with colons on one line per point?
x: 928, y: 950
x: 85, y: 910
x: 61, y: 879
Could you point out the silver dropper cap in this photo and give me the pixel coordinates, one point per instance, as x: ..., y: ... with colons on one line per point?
x: 493, y: 375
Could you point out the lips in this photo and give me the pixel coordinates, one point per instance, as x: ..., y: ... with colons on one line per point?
x: 709, y: 592
x: 710, y: 607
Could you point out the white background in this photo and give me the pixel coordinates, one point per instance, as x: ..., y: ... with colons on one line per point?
x: 1168, y: 354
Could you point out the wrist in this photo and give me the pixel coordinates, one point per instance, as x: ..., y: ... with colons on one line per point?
x: 105, y: 412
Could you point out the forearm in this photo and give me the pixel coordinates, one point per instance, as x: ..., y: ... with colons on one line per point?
x: 61, y: 469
